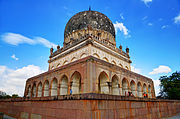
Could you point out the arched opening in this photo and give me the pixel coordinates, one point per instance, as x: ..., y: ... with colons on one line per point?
x: 39, y: 90
x: 58, y: 65
x: 54, y: 87
x: 65, y: 62
x: 103, y: 83
x: 34, y: 91
x: 83, y: 55
x: 96, y: 55
x: 124, y: 87
x: 29, y: 91
x: 73, y: 59
x: 144, y: 89
x: 64, y: 85
x: 76, y: 83
x: 52, y: 67
x: 113, y: 62
x: 121, y: 65
x: 106, y: 59
x: 133, y: 89
x: 126, y: 67
x: 115, y: 86
x: 149, y: 91
x: 46, y: 88
x: 139, y: 89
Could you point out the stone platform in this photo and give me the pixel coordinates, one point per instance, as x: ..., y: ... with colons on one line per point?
x: 89, y: 106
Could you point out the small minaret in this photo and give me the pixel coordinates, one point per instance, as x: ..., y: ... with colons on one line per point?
x: 127, y: 50
x: 120, y: 47
x: 51, y: 51
x: 58, y: 47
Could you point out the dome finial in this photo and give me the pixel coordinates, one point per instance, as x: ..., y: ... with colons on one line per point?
x: 89, y: 8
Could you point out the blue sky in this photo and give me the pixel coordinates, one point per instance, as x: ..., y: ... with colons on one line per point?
x: 150, y: 28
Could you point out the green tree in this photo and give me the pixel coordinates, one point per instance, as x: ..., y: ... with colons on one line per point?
x: 15, y: 95
x: 5, y: 97
x: 170, y: 86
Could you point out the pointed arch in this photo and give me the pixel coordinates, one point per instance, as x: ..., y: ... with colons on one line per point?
x: 149, y: 91
x: 115, y: 85
x: 54, y: 87
x: 76, y: 82
x: 64, y: 85
x: 133, y: 89
x: 39, y: 91
x: 124, y: 86
x: 106, y: 59
x: 46, y: 88
x: 103, y: 83
x: 144, y: 88
x: 29, y: 91
x: 34, y: 90
x: 96, y: 55
x: 139, y: 89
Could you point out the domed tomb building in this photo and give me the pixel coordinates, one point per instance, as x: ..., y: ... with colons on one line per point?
x: 89, y: 62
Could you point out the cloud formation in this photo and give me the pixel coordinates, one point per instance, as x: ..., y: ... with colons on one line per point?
x: 122, y: 17
x: 16, y: 39
x: 177, y: 19
x: 14, y: 57
x: 121, y: 27
x: 146, y: 2
x: 149, y: 24
x: 135, y: 69
x: 144, y: 18
x: 164, y: 26
x: 13, y: 81
x: 160, y: 69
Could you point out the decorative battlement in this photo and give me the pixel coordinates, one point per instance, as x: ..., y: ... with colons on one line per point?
x: 104, y: 41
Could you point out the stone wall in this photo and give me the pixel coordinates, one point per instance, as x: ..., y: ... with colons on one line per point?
x: 89, y: 106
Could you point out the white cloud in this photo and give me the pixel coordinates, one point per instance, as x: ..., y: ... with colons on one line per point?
x: 14, y: 57
x: 164, y: 26
x: 45, y: 42
x: 16, y: 39
x: 177, y: 19
x: 135, y: 69
x: 160, y: 69
x: 13, y: 81
x: 160, y: 19
x: 146, y: 2
x: 149, y: 24
x: 156, y: 86
x: 122, y: 17
x: 144, y: 18
x: 121, y: 27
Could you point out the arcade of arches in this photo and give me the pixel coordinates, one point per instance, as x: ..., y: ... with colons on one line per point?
x: 106, y: 85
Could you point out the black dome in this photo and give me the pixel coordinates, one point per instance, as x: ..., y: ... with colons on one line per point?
x: 96, y: 19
